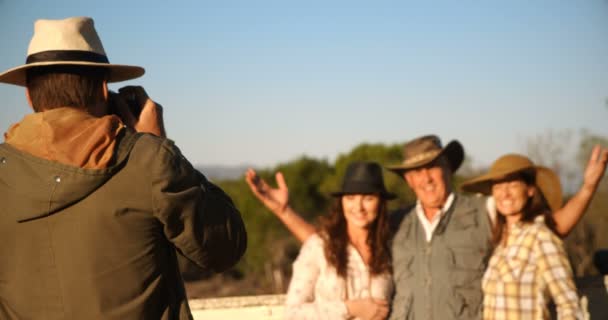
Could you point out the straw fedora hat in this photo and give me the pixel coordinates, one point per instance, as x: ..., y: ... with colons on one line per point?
x: 71, y: 41
x: 424, y: 150
x: 546, y: 180
x: 365, y: 178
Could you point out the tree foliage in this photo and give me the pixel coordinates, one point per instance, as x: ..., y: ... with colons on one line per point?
x: 310, y: 183
x: 272, y: 248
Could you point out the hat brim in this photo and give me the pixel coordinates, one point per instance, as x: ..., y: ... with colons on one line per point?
x: 483, y: 183
x: 453, y: 151
x: 385, y: 195
x: 117, y: 72
x: 546, y: 180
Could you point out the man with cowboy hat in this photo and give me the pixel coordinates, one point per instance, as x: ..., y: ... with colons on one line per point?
x: 442, y: 244
x: 95, y: 206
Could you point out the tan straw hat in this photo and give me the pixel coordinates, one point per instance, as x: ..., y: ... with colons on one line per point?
x: 546, y: 180
x: 424, y: 150
x: 71, y: 41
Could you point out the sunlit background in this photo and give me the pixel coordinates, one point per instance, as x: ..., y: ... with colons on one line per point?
x: 263, y: 82
x: 308, y: 86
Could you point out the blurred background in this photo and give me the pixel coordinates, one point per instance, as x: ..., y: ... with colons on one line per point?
x: 307, y: 87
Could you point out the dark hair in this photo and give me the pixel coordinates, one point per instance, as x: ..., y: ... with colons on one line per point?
x: 333, y: 231
x: 65, y: 86
x: 535, y: 206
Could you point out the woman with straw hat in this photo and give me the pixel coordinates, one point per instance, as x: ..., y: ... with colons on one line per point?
x: 343, y: 271
x: 529, y: 264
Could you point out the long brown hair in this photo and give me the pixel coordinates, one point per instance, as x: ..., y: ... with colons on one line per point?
x: 535, y: 206
x: 334, y: 233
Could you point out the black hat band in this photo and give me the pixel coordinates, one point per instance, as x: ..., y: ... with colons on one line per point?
x: 66, y: 55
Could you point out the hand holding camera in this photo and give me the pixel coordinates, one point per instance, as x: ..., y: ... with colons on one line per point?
x: 135, y: 108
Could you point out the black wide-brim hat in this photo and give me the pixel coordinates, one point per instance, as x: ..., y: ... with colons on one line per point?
x: 364, y: 178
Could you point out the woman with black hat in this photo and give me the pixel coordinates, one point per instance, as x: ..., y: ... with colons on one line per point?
x: 529, y: 263
x: 343, y: 271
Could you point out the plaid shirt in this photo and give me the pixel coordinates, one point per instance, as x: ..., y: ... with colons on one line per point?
x: 523, y: 275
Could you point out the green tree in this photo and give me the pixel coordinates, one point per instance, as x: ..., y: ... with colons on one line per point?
x: 269, y: 243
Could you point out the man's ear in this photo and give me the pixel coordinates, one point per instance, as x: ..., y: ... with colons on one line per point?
x: 28, y: 98
x: 106, y: 93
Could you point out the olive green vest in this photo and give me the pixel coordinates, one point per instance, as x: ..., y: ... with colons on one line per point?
x: 441, y: 279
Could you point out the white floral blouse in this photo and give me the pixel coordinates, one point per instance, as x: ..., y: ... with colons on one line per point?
x: 317, y: 292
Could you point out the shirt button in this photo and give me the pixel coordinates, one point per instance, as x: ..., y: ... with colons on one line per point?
x: 3, y: 160
x: 57, y: 179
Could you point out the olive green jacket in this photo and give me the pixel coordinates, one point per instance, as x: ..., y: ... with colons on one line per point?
x: 101, y: 243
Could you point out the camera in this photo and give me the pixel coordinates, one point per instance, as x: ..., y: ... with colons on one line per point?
x: 131, y: 100
x: 124, y: 96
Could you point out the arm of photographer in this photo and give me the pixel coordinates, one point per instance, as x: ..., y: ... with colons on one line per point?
x: 198, y: 217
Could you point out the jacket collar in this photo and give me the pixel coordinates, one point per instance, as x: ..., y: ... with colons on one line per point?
x: 67, y: 135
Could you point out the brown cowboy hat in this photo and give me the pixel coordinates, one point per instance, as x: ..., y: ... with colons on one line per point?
x: 545, y: 179
x: 364, y: 178
x: 424, y: 150
x: 71, y: 41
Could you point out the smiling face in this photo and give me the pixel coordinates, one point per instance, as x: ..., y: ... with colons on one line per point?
x: 360, y: 210
x: 431, y: 184
x: 511, y: 195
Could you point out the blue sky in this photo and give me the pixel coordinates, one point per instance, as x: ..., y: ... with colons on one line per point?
x: 263, y: 82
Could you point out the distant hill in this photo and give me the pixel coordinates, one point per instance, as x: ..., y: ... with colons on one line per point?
x: 218, y: 172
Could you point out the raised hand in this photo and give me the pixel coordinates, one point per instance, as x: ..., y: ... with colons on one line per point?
x: 567, y: 217
x: 275, y: 199
x: 596, y: 167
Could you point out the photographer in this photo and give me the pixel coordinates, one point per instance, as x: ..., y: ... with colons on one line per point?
x: 95, y: 202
